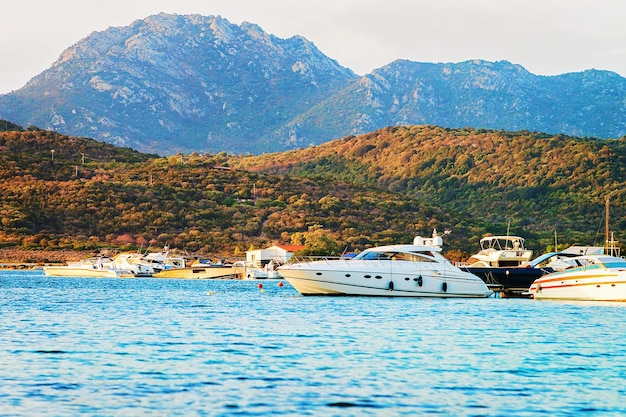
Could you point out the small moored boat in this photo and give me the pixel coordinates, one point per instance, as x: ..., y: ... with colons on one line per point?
x: 589, y: 278
x: 250, y: 270
x: 133, y: 262
x: 199, y: 271
x: 97, y: 267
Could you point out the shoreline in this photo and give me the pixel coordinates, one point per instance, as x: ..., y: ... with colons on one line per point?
x: 29, y: 259
x: 11, y: 258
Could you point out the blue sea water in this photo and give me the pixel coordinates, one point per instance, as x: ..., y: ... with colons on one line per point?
x: 154, y: 347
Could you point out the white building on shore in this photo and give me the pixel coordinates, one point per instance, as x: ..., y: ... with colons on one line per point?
x: 277, y: 254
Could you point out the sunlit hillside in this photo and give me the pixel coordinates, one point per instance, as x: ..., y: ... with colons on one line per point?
x: 90, y: 195
x: 539, y: 183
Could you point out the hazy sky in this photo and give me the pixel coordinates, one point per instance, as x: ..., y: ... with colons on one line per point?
x: 547, y: 37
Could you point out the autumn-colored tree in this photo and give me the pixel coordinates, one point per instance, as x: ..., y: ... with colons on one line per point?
x: 318, y: 242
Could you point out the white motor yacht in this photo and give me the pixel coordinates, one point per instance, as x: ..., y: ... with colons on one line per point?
x: 97, y: 267
x: 133, y: 262
x: 501, y: 251
x: 417, y: 270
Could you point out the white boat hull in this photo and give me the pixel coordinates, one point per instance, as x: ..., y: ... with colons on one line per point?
x: 69, y: 271
x: 609, y: 286
x: 383, y: 278
x: 199, y: 272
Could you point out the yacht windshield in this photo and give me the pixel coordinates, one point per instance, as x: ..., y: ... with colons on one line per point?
x: 395, y: 256
x: 373, y: 255
x: 606, y: 262
x: 507, y: 243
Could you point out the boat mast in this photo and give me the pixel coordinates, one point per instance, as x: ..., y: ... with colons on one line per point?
x: 610, y: 242
x: 606, y: 219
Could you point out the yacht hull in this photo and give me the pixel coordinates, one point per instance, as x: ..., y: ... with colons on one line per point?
x: 510, y: 279
x: 65, y: 271
x: 596, y: 287
x: 387, y: 279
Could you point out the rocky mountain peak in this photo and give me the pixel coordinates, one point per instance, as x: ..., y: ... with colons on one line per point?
x: 170, y: 83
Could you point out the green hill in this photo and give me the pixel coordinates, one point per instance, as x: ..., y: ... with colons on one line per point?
x: 483, y: 179
x: 122, y: 198
x: 378, y: 188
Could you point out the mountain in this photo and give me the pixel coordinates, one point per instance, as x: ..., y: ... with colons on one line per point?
x: 172, y: 83
x: 177, y: 83
x: 479, y: 94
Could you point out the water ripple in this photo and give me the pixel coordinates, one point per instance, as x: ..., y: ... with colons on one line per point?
x: 177, y: 347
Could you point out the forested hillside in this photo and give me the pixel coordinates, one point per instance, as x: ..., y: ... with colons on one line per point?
x: 378, y: 188
x: 485, y: 179
x: 121, y: 198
